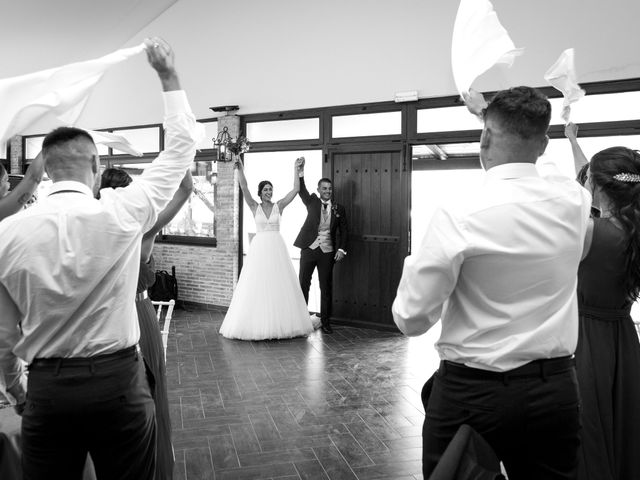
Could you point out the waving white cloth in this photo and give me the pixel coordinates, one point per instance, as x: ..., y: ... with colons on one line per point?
x: 117, y: 142
x: 562, y: 75
x: 61, y: 91
x: 479, y: 42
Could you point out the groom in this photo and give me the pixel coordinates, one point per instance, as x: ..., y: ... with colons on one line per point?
x: 323, y: 241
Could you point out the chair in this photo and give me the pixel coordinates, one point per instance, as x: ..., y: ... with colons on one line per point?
x: 467, y: 457
x: 165, y: 321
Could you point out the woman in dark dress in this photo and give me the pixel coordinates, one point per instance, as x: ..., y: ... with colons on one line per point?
x: 608, y: 352
x: 150, y: 336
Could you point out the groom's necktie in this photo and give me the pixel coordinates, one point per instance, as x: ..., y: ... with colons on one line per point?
x: 324, y: 211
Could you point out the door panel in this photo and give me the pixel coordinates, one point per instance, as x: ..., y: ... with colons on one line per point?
x: 371, y: 184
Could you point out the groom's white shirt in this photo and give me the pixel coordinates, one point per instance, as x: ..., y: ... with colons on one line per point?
x: 501, y: 271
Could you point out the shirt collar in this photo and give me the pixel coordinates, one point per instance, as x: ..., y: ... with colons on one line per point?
x: 70, y: 185
x: 513, y: 170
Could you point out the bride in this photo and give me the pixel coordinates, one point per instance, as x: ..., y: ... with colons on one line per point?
x: 267, y: 302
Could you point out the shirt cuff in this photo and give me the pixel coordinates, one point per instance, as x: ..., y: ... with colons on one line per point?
x: 175, y: 102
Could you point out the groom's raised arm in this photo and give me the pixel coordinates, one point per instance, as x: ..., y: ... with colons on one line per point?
x: 304, y: 193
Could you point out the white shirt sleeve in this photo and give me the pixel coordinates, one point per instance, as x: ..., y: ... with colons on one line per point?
x: 429, y: 276
x: 152, y: 190
x: 13, y: 380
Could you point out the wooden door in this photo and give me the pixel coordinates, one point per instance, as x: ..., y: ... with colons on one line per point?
x: 372, y: 183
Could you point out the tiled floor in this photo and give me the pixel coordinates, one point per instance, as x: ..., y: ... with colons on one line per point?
x: 341, y: 406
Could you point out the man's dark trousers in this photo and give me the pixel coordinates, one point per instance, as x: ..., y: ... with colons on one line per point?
x: 101, y: 405
x: 309, y: 260
x: 529, y: 416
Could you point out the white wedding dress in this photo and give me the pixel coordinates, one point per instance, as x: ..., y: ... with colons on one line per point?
x: 267, y: 302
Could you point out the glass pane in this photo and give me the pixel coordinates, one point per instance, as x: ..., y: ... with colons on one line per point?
x: 431, y: 188
x: 32, y: 146
x: 446, y: 150
x: 447, y: 119
x: 302, y: 129
x: 197, y: 216
x: 559, y: 150
x: 146, y: 140
x: 367, y: 124
x: 210, y: 133
x: 277, y: 167
x: 599, y: 108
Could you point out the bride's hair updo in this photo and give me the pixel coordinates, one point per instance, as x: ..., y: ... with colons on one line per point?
x: 616, y: 171
x: 263, y: 184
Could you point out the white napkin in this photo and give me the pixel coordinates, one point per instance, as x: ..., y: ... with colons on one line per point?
x: 117, y: 142
x: 479, y: 42
x: 562, y: 75
x: 61, y: 91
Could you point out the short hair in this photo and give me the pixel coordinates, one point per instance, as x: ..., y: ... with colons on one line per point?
x: 62, y: 135
x: 326, y: 180
x: 521, y: 111
x: 263, y: 184
x: 114, y: 178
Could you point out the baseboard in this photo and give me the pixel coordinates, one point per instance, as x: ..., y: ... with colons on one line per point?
x: 350, y: 322
x: 187, y: 304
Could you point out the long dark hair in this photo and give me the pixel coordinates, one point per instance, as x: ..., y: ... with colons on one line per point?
x: 263, y: 184
x: 624, y: 196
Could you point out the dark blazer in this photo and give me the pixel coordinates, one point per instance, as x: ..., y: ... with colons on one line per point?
x: 309, y: 231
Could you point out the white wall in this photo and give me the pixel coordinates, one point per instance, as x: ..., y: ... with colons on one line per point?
x: 291, y: 54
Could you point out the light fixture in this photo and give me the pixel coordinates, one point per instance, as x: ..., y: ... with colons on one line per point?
x: 221, y: 142
x: 227, y: 147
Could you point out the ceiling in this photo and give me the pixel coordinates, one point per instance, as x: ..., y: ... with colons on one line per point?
x: 40, y: 34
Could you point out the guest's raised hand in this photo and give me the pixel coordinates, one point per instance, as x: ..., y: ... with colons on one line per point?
x: 161, y: 58
x: 187, y: 182
x: 475, y: 102
x: 36, y: 169
x: 571, y: 131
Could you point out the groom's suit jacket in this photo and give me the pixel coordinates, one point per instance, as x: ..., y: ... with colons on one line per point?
x: 309, y: 231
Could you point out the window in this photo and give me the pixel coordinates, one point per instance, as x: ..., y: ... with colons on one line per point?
x: 144, y: 139
x: 446, y: 119
x: 441, y: 174
x: 278, y: 130
x: 367, y: 124
x: 195, y: 223
x: 32, y: 146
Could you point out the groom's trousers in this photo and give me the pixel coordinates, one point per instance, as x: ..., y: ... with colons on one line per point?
x: 529, y: 416
x: 309, y: 260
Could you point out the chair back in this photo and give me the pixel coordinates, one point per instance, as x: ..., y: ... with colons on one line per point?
x: 164, y: 312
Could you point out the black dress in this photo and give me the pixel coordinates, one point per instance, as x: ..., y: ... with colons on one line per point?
x: 153, y: 353
x: 608, y: 362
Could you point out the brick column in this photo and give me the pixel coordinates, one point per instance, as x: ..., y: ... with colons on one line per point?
x: 16, y: 159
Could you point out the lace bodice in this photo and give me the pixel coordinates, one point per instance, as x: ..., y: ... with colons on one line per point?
x: 264, y: 224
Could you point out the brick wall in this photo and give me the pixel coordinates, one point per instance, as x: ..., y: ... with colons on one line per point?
x: 207, y: 275
x: 16, y: 154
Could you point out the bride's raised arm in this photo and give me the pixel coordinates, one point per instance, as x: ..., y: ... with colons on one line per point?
x: 245, y: 189
x: 298, y: 167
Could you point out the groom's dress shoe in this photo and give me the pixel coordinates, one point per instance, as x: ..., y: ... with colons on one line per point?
x: 327, y: 329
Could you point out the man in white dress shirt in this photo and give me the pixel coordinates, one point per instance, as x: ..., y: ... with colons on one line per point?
x: 500, y: 272
x: 67, y: 291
